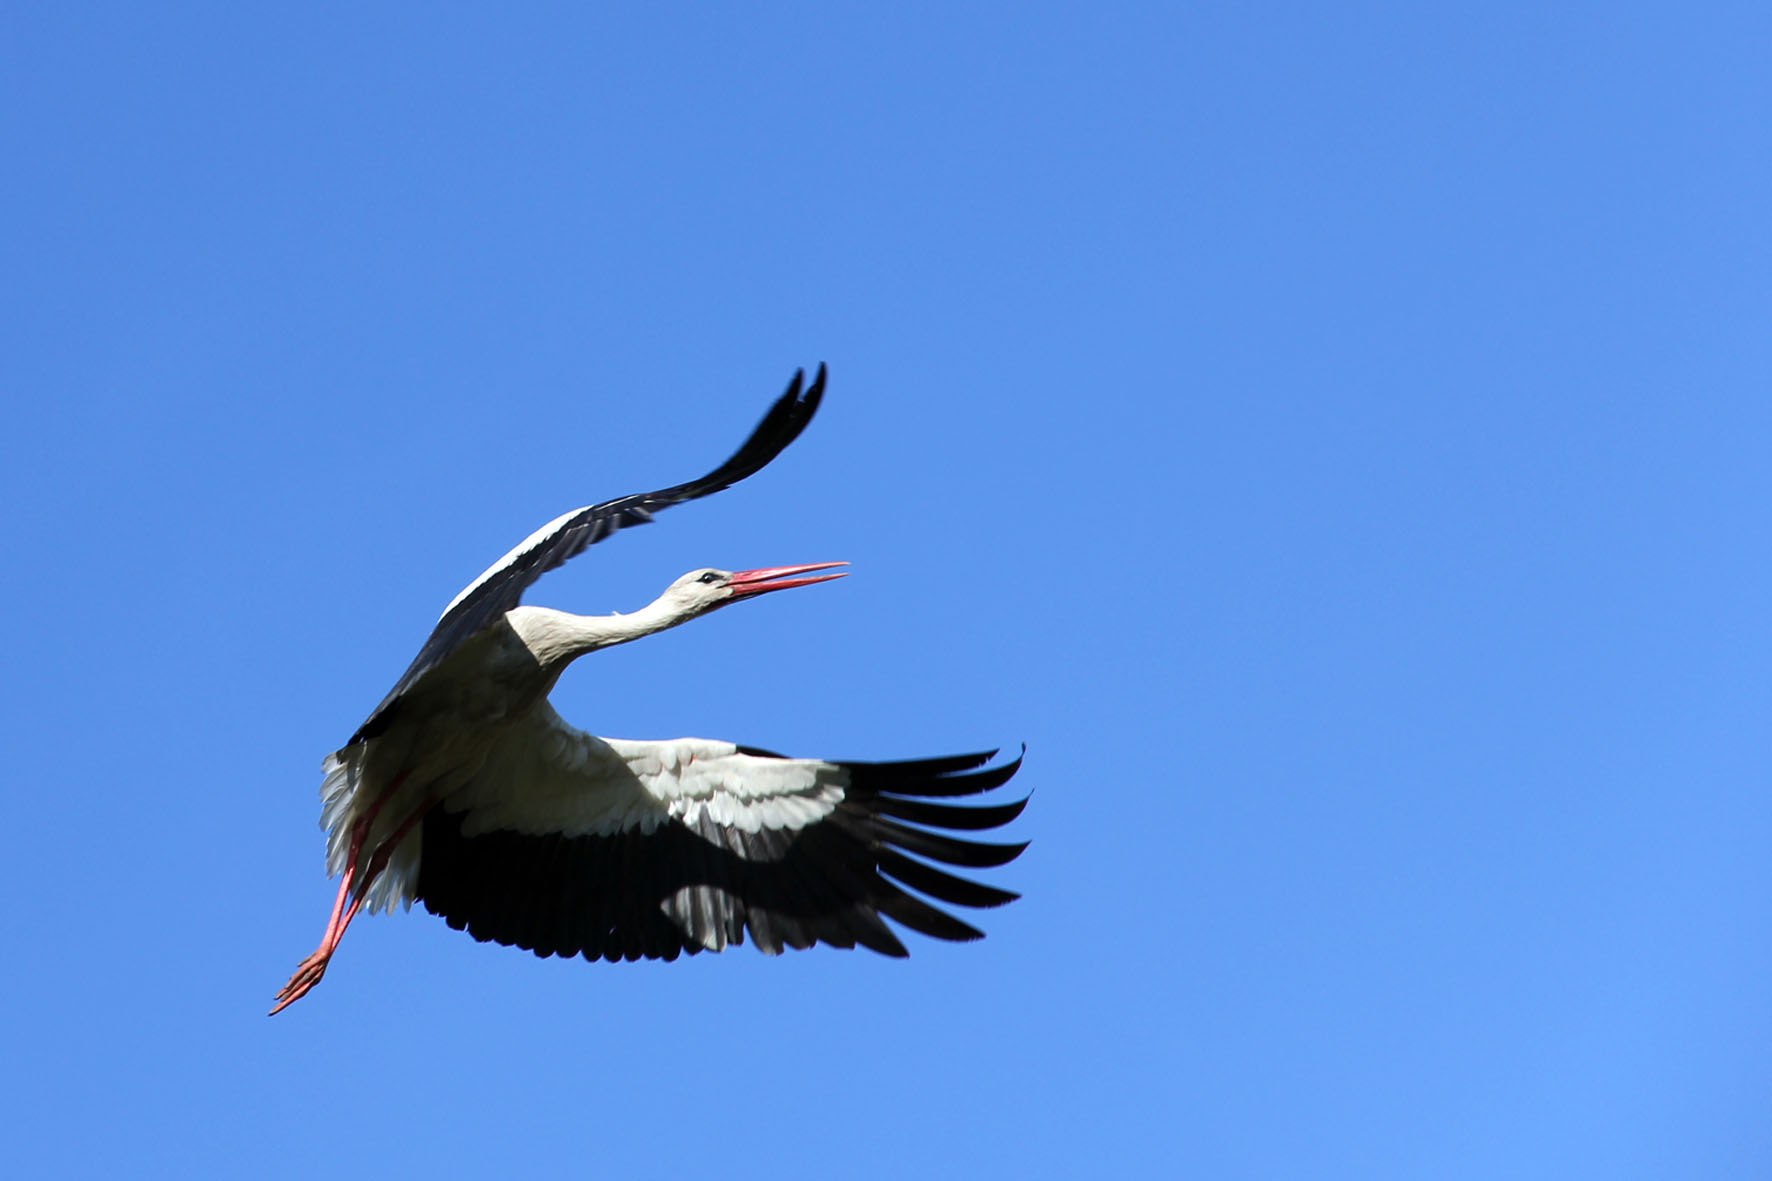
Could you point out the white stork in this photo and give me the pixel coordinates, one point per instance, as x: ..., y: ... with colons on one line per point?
x: 466, y: 791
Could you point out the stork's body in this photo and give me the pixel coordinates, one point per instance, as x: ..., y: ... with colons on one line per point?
x: 464, y: 789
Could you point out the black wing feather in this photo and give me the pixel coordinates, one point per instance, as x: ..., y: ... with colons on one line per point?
x: 683, y: 889
x: 939, y: 884
x: 503, y: 589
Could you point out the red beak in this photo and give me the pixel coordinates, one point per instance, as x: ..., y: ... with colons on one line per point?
x: 774, y: 578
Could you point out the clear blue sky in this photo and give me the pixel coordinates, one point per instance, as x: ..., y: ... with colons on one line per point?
x: 1338, y: 439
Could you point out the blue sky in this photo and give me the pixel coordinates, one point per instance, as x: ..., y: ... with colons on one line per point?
x: 1335, y: 438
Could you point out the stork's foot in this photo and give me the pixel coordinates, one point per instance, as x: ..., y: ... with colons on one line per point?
x: 307, y: 974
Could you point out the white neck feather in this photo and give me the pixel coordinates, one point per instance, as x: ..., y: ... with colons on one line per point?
x: 557, y: 638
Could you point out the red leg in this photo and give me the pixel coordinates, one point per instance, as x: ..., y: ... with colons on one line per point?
x: 383, y: 854
x: 330, y: 939
x: 310, y: 970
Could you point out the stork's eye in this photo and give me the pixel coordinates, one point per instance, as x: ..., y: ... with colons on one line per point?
x: 710, y: 577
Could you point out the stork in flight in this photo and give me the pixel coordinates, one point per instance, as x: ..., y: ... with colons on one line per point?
x: 466, y: 791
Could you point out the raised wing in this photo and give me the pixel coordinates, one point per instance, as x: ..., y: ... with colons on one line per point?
x: 501, y: 586
x: 566, y: 844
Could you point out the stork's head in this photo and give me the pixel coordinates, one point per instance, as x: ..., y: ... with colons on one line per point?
x: 700, y: 591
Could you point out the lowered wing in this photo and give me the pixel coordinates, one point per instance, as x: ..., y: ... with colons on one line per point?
x: 568, y: 844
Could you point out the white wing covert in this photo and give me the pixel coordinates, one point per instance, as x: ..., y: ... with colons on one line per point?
x: 548, y: 777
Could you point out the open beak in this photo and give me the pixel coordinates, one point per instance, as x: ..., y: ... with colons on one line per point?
x: 774, y: 578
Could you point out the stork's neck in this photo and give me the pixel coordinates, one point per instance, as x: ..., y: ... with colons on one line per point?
x: 557, y: 638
